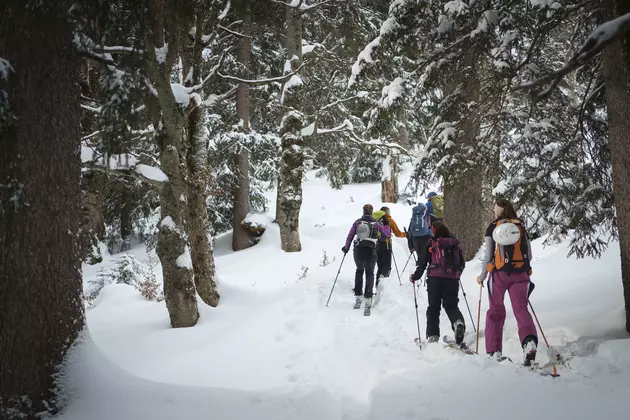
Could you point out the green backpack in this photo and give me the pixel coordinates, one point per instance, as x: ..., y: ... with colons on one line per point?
x: 438, y: 206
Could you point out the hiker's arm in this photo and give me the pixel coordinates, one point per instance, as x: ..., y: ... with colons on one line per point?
x: 488, y: 257
x: 424, y: 259
x: 385, y: 230
x: 353, y: 231
x: 395, y: 229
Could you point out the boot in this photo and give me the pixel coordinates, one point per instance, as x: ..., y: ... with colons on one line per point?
x: 529, y: 350
x: 358, y: 301
x: 433, y: 339
x: 460, y: 328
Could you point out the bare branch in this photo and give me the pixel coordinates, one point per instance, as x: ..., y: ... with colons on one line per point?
x: 234, y: 32
x: 92, y: 109
x: 264, y: 81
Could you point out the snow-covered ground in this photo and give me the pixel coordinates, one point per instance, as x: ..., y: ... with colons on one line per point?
x: 272, y: 350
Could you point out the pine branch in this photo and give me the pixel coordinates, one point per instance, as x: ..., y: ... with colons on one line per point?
x: 599, y: 39
x: 213, y: 71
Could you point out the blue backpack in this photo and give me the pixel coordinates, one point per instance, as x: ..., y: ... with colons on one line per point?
x: 420, y: 225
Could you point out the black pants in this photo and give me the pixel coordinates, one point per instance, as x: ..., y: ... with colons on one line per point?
x: 365, y: 259
x: 420, y: 244
x: 383, y: 260
x: 444, y: 292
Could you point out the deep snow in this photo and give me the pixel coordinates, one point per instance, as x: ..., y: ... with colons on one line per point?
x: 274, y: 351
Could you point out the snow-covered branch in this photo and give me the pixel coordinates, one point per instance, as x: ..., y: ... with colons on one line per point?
x: 92, y: 109
x: 213, y: 71
x: 299, y: 4
x: 264, y: 81
x: 599, y: 39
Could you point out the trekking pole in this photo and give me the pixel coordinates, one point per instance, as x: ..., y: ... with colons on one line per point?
x: 466, y: 300
x: 408, y: 259
x: 415, y: 300
x: 396, y: 265
x: 558, y: 357
x: 335, y: 282
x: 479, y: 317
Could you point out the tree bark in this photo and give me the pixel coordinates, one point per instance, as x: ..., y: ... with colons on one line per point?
x: 197, y: 225
x: 463, y: 205
x: 389, y: 185
x: 172, y: 247
x: 616, y: 68
x: 292, y: 155
x: 41, y: 310
x: 240, y: 236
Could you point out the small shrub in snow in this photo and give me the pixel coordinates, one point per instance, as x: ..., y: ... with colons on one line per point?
x: 325, y: 260
x: 302, y: 274
x: 127, y: 270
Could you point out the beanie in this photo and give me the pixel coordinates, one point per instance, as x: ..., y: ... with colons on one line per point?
x: 368, y: 210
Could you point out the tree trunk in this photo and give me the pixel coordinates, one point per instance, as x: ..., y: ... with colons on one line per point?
x: 197, y: 225
x: 41, y: 311
x: 389, y: 184
x: 616, y: 66
x: 463, y: 205
x: 172, y: 248
x: 292, y: 155
x: 240, y: 237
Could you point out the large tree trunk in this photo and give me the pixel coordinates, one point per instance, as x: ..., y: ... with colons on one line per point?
x: 463, y: 205
x: 616, y: 60
x: 172, y: 247
x: 41, y: 310
x: 197, y: 225
x: 292, y: 158
x: 240, y: 237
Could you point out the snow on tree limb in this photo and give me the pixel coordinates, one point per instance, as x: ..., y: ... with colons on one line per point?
x: 213, y: 71
x: 264, y: 81
x: 301, y: 4
x: 5, y: 68
x: 599, y: 39
x: 233, y: 32
x: 389, y: 26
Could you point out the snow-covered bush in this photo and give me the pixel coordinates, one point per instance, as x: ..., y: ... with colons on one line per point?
x: 130, y: 271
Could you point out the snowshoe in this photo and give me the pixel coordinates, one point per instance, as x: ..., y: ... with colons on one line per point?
x: 433, y: 339
x: 358, y: 301
x: 368, y: 307
x: 463, y: 347
x: 499, y: 357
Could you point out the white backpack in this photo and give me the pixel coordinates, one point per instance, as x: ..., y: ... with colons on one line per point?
x: 367, y: 236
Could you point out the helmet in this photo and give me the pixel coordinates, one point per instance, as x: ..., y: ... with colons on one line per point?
x: 385, y: 209
x: 506, y: 234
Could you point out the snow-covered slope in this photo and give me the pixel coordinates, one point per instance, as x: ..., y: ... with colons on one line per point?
x: 273, y: 350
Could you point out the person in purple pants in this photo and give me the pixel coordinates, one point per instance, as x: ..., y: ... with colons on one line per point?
x: 509, y: 271
x: 367, y: 231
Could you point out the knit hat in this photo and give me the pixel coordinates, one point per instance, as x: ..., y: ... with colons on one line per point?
x: 368, y: 210
x: 385, y: 209
x: 431, y: 194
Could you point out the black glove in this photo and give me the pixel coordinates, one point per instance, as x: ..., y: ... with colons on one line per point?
x: 411, y: 278
x: 344, y: 250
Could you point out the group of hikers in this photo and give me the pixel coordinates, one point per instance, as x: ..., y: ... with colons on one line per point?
x: 506, y: 267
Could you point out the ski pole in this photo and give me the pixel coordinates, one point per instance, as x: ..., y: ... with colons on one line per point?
x: 415, y: 300
x: 558, y: 357
x: 466, y: 300
x: 335, y: 282
x: 478, y: 317
x: 395, y: 265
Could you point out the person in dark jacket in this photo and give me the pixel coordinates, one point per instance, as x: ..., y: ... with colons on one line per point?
x: 364, y: 251
x: 419, y: 232
x: 445, y: 261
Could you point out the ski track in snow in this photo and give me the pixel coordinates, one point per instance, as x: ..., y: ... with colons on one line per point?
x: 273, y: 350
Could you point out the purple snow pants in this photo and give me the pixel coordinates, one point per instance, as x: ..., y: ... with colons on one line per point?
x: 517, y: 285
